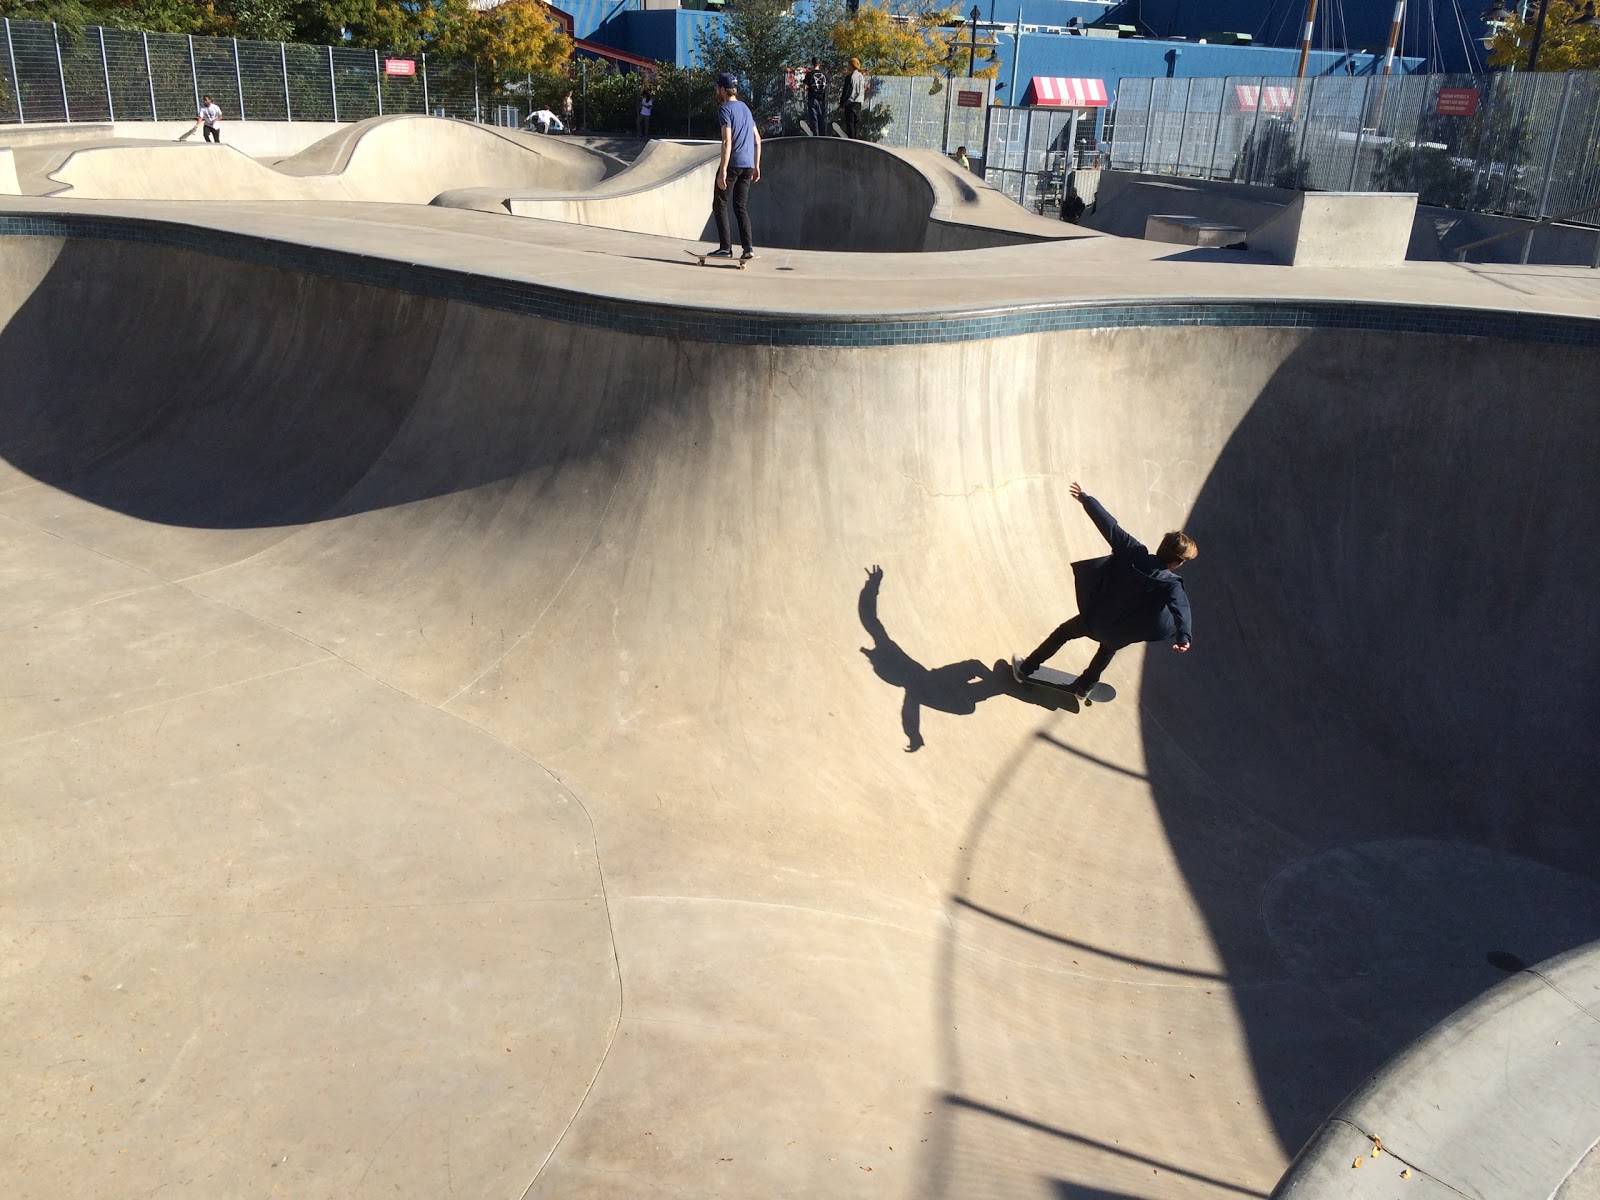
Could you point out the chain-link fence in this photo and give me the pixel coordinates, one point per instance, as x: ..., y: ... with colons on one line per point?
x: 121, y: 75
x: 1519, y: 144
x: 1031, y: 152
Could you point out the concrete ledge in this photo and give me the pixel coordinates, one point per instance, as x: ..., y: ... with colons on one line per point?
x: 1497, y: 1100
x: 1340, y: 229
x: 1191, y: 231
x: 8, y: 173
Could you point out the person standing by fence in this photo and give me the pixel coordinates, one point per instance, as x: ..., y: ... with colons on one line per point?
x: 210, y: 116
x: 852, y: 97
x: 817, y: 98
x: 647, y: 103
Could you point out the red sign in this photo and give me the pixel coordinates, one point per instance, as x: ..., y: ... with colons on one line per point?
x: 399, y: 66
x: 969, y: 99
x: 1457, y: 102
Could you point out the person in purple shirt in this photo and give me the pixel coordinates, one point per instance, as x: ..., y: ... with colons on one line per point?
x: 738, y: 168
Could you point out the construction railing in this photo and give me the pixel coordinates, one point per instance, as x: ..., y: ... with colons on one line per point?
x: 1523, y: 145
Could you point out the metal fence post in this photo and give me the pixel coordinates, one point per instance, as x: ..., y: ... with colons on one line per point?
x: 16, y: 84
x: 66, y: 107
x: 105, y: 67
x: 1253, y: 148
x: 1149, y: 123
x: 150, y: 77
x: 1361, y: 128
x: 238, y: 77
x: 333, y: 85
x: 1216, y: 135
x: 476, y: 116
x: 377, y: 80
x: 1555, y: 145
x: 283, y: 61
x: 194, y: 73
x: 427, y: 107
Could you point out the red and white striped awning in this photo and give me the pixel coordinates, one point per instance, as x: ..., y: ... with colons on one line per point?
x: 1056, y: 92
x: 1271, y: 99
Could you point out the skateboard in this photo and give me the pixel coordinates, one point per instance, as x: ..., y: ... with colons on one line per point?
x: 1060, y: 681
x: 806, y: 127
x: 703, y: 255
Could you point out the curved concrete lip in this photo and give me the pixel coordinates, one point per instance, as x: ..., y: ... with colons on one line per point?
x: 451, y: 748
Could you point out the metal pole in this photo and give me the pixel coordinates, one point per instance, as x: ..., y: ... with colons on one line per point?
x: 111, y: 105
x: 1394, y: 34
x: 16, y: 83
x: 333, y: 85
x: 283, y: 61
x: 1538, y: 36
x: 377, y: 80
x: 1555, y: 145
x: 1361, y: 128
x: 62, y: 72
x: 238, y: 77
x: 476, y: 115
x: 427, y: 106
x: 194, y: 71
x: 1254, y: 157
x: 1216, y: 137
x: 1149, y: 124
x: 150, y: 77
x: 1305, y: 38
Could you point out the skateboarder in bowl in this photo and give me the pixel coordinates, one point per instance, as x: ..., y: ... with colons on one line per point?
x: 1130, y: 596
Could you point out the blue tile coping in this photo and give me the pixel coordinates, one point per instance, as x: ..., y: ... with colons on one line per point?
x: 778, y: 329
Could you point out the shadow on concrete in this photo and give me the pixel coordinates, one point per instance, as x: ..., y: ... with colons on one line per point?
x: 1375, y: 774
x: 957, y: 688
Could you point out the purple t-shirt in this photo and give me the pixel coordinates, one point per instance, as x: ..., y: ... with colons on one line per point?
x: 735, y: 115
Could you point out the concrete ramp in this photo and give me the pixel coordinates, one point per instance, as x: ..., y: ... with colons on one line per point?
x: 395, y: 159
x: 460, y: 747
x: 1339, y: 229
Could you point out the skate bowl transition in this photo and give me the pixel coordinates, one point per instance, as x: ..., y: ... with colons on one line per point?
x: 471, y: 735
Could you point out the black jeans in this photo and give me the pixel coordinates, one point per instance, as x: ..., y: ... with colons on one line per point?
x: 817, y: 114
x: 1075, y: 628
x: 738, y: 192
x: 212, y: 133
x: 851, y: 112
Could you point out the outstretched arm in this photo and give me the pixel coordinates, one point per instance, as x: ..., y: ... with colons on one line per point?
x: 1121, y: 541
x: 1178, y: 606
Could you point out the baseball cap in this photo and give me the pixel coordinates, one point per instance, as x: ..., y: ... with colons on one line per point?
x: 729, y: 81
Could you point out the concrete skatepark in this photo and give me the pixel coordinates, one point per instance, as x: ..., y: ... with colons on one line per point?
x: 459, y: 743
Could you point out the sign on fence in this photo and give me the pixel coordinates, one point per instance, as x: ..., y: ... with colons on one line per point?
x: 1456, y: 102
x: 969, y: 99
x: 399, y: 66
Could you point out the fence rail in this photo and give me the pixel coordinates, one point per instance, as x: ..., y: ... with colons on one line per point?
x: 123, y: 75
x: 1523, y: 145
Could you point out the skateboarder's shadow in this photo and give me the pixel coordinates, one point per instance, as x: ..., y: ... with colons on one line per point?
x: 956, y: 688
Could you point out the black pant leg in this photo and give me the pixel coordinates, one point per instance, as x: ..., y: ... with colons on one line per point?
x: 1063, y: 633
x: 740, y: 187
x: 1097, y: 665
x: 719, y: 212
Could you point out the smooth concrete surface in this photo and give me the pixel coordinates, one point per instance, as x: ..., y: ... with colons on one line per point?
x: 460, y: 752
x: 1500, y: 1100
x: 1339, y: 229
x: 399, y: 159
x: 9, y: 185
x: 1190, y: 231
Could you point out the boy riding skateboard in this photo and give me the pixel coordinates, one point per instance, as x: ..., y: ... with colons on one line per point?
x: 1130, y: 596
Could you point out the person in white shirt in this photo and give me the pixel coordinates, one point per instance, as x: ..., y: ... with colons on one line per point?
x: 544, y: 121
x: 210, y: 117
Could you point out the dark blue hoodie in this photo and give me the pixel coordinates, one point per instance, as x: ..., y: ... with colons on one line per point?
x: 1130, y: 596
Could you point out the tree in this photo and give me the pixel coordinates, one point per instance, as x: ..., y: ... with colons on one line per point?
x: 517, y: 37
x: 759, y: 42
x: 1564, y: 47
x: 908, y: 40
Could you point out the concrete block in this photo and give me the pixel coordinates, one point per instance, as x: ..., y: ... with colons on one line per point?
x: 1340, y: 229
x: 1190, y: 231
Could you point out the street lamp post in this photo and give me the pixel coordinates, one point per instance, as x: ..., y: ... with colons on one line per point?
x: 972, y: 52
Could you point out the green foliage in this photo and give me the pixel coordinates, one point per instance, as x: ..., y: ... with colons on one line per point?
x: 1564, y: 47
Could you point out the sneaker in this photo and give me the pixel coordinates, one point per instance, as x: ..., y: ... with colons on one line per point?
x: 747, y: 256
x: 725, y: 252
x: 1082, y: 693
x: 1021, y: 669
